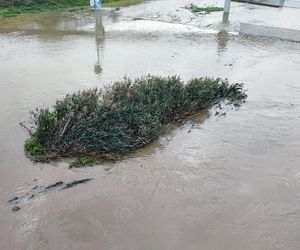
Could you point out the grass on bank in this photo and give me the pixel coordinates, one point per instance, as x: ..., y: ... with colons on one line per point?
x: 203, y: 10
x: 16, y: 7
x: 103, y: 124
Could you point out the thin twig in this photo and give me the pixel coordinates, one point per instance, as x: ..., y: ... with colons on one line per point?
x: 27, y: 129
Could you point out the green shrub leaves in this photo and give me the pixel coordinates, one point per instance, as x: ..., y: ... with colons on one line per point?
x: 126, y: 116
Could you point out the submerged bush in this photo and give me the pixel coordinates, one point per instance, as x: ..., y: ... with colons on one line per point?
x: 125, y: 116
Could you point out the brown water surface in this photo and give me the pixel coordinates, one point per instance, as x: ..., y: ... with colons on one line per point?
x: 231, y: 182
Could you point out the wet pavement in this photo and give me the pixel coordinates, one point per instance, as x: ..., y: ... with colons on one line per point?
x: 230, y: 182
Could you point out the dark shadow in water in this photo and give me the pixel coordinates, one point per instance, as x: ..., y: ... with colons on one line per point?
x: 194, y: 122
x: 99, y: 37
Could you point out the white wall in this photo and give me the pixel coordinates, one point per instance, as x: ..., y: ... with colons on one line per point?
x: 292, y: 3
x: 264, y: 2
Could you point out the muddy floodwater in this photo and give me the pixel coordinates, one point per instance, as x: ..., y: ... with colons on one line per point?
x: 228, y: 183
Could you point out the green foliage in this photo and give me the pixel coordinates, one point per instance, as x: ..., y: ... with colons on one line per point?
x: 34, y: 147
x: 31, y: 3
x: 45, y: 122
x: 204, y: 10
x: 84, y: 161
x: 125, y: 116
x: 10, y: 12
x: 59, y: 3
x: 11, y: 8
x: 119, y: 3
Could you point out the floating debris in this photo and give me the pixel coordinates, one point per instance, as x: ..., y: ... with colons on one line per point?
x: 39, y: 190
x: 15, y: 208
x: 55, y: 185
x: 13, y: 200
x: 75, y: 183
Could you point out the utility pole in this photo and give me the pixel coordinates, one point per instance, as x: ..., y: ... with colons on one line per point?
x: 227, y: 6
x: 281, y: 3
x: 226, y: 11
x: 96, y: 4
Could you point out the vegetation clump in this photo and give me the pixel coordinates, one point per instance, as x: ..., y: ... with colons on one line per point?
x: 119, y: 119
x: 203, y: 10
x: 35, y: 148
x: 11, y: 8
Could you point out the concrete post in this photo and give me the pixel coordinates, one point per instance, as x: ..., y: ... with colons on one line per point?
x: 96, y: 4
x: 227, y: 6
x: 281, y: 3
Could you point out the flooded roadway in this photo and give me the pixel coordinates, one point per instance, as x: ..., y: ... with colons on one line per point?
x: 229, y: 183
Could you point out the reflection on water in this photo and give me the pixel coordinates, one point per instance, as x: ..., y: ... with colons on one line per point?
x: 223, y: 36
x: 225, y: 18
x: 222, y: 39
x: 99, y: 37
